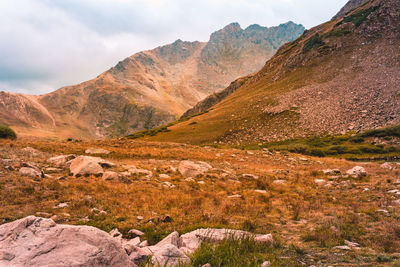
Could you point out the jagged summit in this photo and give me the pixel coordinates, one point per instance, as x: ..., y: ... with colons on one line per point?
x: 147, y: 89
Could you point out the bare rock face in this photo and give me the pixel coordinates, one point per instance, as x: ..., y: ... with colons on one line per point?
x: 34, y: 241
x: 84, y: 166
x: 191, y: 169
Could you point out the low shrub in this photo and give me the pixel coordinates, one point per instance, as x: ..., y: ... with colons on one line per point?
x: 7, y: 133
x: 314, y: 42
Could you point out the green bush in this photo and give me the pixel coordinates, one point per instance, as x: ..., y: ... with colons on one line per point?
x: 314, y: 42
x: 7, y: 133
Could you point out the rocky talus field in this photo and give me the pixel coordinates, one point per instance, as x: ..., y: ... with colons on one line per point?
x: 128, y: 203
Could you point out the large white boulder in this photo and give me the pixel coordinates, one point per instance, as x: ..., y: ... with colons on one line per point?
x: 192, y: 169
x: 84, y: 166
x: 34, y: 241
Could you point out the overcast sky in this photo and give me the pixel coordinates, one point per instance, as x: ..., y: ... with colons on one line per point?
x: 47, y: 44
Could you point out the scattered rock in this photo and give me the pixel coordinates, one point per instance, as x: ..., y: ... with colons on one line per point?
x: 279, y: 182
x: 260, y: 191
x: 85, y: 166
x: 331, y: 171
x: 357, y: 171
x: 164, y: 176
x: 135, y: 233
x: 97, y: 151
x: 147, y: 173
x: 110, y: 176
x: 58, y: 245
x: 192, y: 169
x: 31, y: 151
x: 167, y: 185
x: 61, y: 161
x: 342, y: 247
x: 235, y: 196
x: 266, y: 264
x: 61, y: 206
x: 169, y: 255
x: 320, y: 182
x: 24, y: 171
x: 250, y: 176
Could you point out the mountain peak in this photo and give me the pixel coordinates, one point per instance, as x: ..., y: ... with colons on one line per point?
x: 350, y: 5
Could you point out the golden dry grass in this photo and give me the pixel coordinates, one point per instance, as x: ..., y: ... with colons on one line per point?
x: 311, y: 218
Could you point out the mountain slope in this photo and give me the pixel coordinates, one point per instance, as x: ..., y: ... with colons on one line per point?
x: 337, y: 77
x: 149, y: 88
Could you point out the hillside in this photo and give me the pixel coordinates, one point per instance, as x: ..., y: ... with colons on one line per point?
x: 338, y: 77
x: 149, y: 88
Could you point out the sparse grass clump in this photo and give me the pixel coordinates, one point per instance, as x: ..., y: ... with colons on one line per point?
x: 237, y: 252
x: 358, y: 18
x: 7, y: 133
x: 349, y: 146
x: 314, y: 42
x: 337, y: 33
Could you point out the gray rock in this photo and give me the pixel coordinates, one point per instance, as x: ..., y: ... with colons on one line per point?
x: 266, y: 264
x: 111, y: 176
x: 61, y: 161
x: 25, y: 171
x: 169, y: 255
x: 34, y: 241
x: 357, y: 171
x: 97, y: 151
x: 192, y: 169
x: 84, y: 166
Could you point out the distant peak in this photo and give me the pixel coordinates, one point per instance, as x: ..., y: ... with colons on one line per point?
x: 234, y: 26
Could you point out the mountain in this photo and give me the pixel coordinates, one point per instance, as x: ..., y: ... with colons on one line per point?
x: 149, y: 88
x: 352, y: 4
x: 341, y: 76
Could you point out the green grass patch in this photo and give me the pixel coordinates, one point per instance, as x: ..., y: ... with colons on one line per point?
x: 239, y: 252
x: 348, y: 146
x: 7, y: 133
x: 314, y: 42
x: 336, y: 33
x: 358, y: 18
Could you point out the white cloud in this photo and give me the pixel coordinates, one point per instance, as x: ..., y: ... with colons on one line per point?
x: 46, y: 44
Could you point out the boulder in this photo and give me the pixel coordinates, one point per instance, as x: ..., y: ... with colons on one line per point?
x: 110, y: 176
x: 97, y: 151
x: 134, y: 170
x: 169, y: 255
x: 34, y: 241
x: 192, y: 169
x: 135, y: 233
x: 139, y: 255
x: 61, y: 161
x: 357, y: 171
x: 31, y: 151
x: 25, y: 171
x: 85, y: 166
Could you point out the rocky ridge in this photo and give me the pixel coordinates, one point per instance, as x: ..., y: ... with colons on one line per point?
x: 149, y: 88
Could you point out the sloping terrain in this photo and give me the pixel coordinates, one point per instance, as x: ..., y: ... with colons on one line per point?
x: 338, y: 77
x: 318, y: 212
x: 149, y: 88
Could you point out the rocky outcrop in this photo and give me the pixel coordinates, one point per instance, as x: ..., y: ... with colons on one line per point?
x: 352, y: 4
x: 34, y: 241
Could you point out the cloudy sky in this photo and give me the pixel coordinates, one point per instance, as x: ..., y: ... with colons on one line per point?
x: 47, y: 44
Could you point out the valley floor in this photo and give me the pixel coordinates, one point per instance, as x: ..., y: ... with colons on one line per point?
x: 314, y: 210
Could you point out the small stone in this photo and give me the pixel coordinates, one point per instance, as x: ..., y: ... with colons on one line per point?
x: 235, y: 196
x: 279, y: 182
x: 61, y: 206
x: 266, y: 264
x: 97, y: 151
x: 357, y: 171
x: 260, y: 191
x: 320, y: 182
x: 164, y: 176
x: 24, y: 171
x: 135, y: 233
